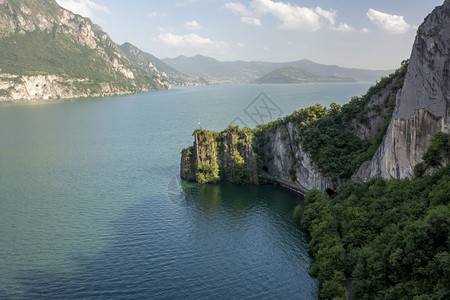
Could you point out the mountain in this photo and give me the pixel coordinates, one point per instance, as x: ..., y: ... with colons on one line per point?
x: 297, y: 75
x: 215, y: 71
x: 48, y: 52
x: 154, y: 66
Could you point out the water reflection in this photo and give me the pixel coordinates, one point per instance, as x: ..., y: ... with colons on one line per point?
x: 239, y: 199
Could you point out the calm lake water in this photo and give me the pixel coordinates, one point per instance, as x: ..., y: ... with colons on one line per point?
x: 91, y: 205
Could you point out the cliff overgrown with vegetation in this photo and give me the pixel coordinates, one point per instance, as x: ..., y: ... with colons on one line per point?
x: 327, y: 134
x: 216, y: 156
x: 390, y: 239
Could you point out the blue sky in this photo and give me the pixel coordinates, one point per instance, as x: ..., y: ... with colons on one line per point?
x: 376, y: 34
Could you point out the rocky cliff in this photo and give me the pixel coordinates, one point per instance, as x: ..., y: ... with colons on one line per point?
x: 47, y: 52
x: 215, y: 156
x: 313, y: 148
x: 384, y: 133
x: 284, y: 158
x: 422, y: 106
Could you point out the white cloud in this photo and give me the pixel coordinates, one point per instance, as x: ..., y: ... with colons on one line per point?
x: 392, y: 24
x: 266, y: 48
x: 189, y: 41
x: 156, y: 15
x: 240, y: 44
x: 330, y: 15
x: 85, y: 8
x: 251, y: 21
x: 238, y: 8
x: 342, y: 27
x: 192, y: 25
x: 292, y: 17
x: 365, y: 30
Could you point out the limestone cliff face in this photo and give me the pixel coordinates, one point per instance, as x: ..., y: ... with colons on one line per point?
x: 225, y: 156
x: 285, y: 160
x: 50, y: 87
x: 422, y: 106
x: 48, y: 52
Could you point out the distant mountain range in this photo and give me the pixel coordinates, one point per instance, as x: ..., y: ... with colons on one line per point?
x: 153, y: 65
x: 216, y: 72
x: 297, y: 75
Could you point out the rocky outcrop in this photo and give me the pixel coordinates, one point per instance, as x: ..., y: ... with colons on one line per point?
x: 422, y: 106
x: 225, y: 156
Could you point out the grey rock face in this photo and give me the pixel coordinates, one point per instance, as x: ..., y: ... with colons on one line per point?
x: 380, y: 105
x: 422, y: 107
x: 290, y: 165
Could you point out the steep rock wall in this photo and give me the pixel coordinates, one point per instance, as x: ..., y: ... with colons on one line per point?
x: 225, y: 156
x: 422, y: 107
x: 285, y: 160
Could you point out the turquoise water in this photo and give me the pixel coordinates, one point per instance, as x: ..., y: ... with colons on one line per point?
x: 91, y: 205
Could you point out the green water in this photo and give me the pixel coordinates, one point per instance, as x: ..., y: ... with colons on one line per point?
x: 91, y: 205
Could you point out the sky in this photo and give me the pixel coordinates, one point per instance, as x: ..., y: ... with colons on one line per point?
x: 370, y: 34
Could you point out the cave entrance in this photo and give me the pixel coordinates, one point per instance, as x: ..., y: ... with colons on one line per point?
x: 330, y: 192
x: 265, y: 168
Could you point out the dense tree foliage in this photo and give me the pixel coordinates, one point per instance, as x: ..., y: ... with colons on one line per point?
x: 438, y: 154
x: 391, y: 238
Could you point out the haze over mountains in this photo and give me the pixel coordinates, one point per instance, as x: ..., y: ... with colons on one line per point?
x: 215, y: 71
x: 152, y: 65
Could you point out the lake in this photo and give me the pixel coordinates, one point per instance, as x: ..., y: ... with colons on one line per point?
x: 91, y: 205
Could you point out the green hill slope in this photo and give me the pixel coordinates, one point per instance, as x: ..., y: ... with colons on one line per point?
x: 152, y: 65
x: 44, y: 44
x: 297, y: 75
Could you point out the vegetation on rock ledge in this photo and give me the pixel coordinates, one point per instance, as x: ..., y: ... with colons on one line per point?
x: 226, y: 156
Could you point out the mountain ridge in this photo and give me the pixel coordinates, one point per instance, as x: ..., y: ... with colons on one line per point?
x: 48, y: 52
x: 153, y: 65
x: 289, y: 75
x: 216, y: 71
